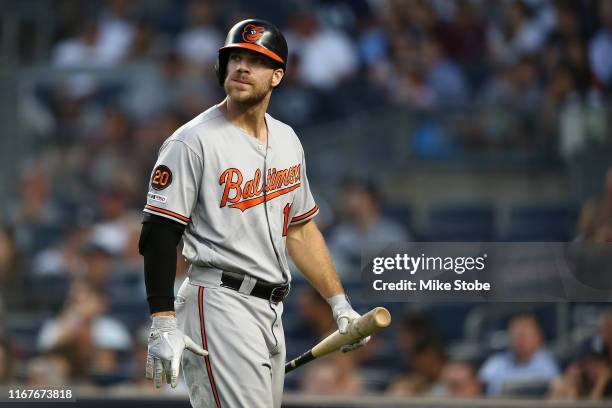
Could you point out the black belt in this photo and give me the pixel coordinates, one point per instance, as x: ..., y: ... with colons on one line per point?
x: 264, y: 290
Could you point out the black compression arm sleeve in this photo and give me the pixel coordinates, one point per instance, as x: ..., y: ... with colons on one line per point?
x: 158, y: 240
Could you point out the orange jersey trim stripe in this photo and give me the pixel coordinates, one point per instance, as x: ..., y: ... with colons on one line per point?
x: 243, y: 205
x: 167, y: 212
x: 305, y: 215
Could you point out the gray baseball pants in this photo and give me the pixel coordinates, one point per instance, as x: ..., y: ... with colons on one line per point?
x: 244, y: 337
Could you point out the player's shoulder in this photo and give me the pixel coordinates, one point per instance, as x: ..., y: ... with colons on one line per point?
x: 283, y: 129
x: 204, y: 124
x: 194, y: 133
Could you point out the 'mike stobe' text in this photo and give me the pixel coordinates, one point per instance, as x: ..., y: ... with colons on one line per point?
x: 433, y: 285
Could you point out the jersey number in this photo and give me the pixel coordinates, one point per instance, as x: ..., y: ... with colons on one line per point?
x: 161, y: 178
x: 286, y: 211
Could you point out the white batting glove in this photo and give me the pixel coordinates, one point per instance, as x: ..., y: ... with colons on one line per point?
x: 166, y: 345
x: 344, y: 314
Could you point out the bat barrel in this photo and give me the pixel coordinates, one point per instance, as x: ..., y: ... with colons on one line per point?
x: 382, y: 317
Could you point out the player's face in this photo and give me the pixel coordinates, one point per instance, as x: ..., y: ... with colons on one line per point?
x: 250, y: 77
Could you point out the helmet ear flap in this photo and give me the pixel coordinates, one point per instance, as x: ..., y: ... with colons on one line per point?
x: 221, y: 67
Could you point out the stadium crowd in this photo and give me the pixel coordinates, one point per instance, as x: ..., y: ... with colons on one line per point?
x: 72, y: 298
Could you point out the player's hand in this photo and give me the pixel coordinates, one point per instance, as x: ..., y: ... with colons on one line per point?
x: 166, y: 345
x: 344, y: 315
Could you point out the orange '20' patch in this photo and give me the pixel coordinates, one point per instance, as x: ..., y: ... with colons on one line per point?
x: 161, y: 178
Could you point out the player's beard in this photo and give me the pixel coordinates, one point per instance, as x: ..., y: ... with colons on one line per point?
x: 257, y: 94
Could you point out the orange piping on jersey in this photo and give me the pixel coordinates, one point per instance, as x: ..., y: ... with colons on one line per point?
x: 246, y: 204
x: 306, y: 215
x: 161, y: 210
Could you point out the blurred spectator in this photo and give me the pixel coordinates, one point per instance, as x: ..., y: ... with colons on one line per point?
x: 520, y: 34
x: 372, y: 41
x: 85, y: 330
x: 111, y: 233
x: 602, y: 344
x: 6, y: 364
x: 36, y: 217
x: 510, y: 101
x: 108, y: 155
x: 459, y: 380
x: 590, y: 377
x: 363, y: 226
x: 598, y: 373
x: 199, y: 43
x: 80, y: 51
x: 116, y: 31
x: 169, y: 88
x: 408, y: 86
x: 98, y: 264
x: 420, y: 345
x: 566, y: 45
x: 337, y: 374
x: 49, y: 370
x: 464, y: 37
x: 11, y: 266
x: 526, y: 359
x: 581, y: 120
x: 145, y: 43
x: 327, y: 55
x: 294, y: 102
x: 416, y: 328
x: 444, y: 77
x: 600, y: 47
x: 63, y: 260
x: 596, y: 214
x: 428, y: 360
x: 569, y: 386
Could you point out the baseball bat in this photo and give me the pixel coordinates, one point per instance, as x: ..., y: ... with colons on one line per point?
x: 368, y: 324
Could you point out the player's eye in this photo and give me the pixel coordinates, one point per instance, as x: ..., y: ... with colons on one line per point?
x: 235, y: 57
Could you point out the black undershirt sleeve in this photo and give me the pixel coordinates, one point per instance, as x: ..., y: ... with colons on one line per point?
x: 158, y: 240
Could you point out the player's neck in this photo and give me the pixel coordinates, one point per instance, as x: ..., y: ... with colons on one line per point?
x: 249, y: 118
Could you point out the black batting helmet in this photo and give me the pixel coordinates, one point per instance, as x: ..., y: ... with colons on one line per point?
x: 256, y: 35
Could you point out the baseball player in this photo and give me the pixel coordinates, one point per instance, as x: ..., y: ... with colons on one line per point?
x: 232, y: 183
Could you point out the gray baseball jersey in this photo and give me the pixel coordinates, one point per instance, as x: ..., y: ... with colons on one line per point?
x: 237, y: 199
x: 236, y: 196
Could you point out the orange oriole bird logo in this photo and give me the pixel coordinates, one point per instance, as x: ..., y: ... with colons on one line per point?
x: 252, y: 33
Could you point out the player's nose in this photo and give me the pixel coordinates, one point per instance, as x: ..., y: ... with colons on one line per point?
x: 242, y: 66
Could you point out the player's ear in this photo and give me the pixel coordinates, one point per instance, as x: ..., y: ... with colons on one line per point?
x: 277, y: 76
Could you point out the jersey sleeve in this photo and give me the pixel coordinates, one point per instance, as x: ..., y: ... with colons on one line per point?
x: 174, y: 183
x: 303, y: 207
